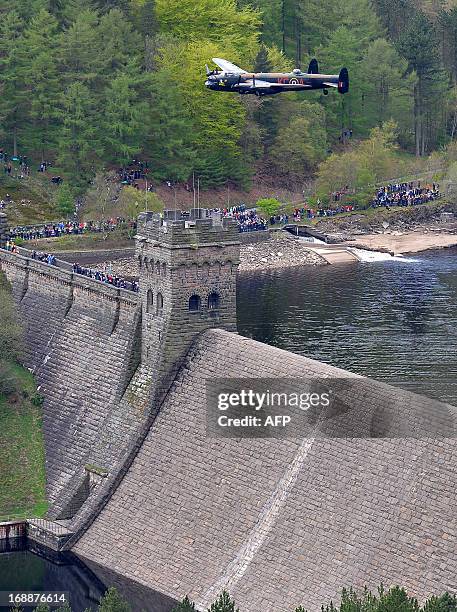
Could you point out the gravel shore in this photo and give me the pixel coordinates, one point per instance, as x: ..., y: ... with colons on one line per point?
x: 280, y: 251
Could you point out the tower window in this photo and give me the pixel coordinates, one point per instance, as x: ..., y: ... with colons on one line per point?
x: 213, y: 301
x: 194, y: 303
x: 149, y: 301
x: 159, y: 303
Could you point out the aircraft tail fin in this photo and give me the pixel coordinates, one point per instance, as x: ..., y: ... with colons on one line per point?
x: 343, y: 81
x: 208, y: 71
x: 313, y: 67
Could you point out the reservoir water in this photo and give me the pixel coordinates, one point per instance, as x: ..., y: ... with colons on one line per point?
x: 394, y: 319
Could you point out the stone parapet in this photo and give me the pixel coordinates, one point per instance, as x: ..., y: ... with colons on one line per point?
x: 175, y: 230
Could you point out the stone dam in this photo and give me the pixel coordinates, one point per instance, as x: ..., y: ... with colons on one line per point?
x: 137, y: 487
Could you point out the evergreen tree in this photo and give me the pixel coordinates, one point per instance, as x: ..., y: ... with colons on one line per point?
x: 386, y: 90
x: 272, y: 24
x: 79, y: 143
x: 268, y: 109
x: 11, y: 100
x: 395, y: 15
x: 108, y: 5
x: 123, y: 118
x: 447, y: 34
x: 80, y: 51
x: 37, y: 58
x: 112, y: 601
x: 169, y: 140
x: 146, y: 18
x: 223, y: 604
x: 445, y: 603
x: 397, y: 600
x: 119, y: 44
x: 185, y: 606
x: 73, y: 8
x: 65, y: 199
x: 419, y: 45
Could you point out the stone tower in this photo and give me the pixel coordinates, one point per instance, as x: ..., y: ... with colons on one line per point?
x: 187, y: 284
x: 3, y: 230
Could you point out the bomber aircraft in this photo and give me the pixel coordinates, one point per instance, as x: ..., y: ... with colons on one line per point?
x: 234, y: 79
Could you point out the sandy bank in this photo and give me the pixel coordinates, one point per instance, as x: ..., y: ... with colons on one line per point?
x: 409, y: 242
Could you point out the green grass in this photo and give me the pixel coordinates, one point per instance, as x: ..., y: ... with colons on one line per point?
x: 22, y: 467
x: 37, y: 191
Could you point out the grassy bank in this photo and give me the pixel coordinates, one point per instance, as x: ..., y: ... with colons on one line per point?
x: 22, y: 470
x: 31, y: 200
x: 116, y: 239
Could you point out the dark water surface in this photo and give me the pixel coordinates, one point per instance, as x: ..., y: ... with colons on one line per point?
x: 393, y: 320
x: 38, y: 569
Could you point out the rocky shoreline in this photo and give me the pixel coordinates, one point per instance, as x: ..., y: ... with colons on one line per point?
x: 279, y: 252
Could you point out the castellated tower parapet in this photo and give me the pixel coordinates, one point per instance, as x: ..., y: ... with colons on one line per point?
x: 188, y: 267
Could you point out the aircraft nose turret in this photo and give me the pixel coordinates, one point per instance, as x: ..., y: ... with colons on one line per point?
x: 212, y: 82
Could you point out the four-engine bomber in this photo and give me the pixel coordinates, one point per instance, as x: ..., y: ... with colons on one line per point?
x: 234, y: 79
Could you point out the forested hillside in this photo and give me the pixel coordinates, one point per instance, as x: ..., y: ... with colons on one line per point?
x: 90, y: 84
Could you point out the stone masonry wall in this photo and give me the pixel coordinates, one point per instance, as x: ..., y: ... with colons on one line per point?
x: 180, y: 260
x: 284, y: 522
x: 83, y: 344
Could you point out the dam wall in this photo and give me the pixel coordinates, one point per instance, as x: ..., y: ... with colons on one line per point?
x: 83, y: 346
x: 151, y: 495
x: 284, y: 522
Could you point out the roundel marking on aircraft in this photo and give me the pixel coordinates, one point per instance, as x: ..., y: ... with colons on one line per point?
x: 293, y: 82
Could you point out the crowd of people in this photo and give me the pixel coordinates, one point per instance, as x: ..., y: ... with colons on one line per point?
x: 406, y: 194
x: 247, y: 220
x: 63, y: 228
x: 9, y: 169
x: 279, y: 219
x: 17, y: 166
x: 48, y: 258
x: 300, y: 214
x: 106, y: 277
x: 136, y: 171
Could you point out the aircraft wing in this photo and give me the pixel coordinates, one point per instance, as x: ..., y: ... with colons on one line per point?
x: 257, y: 83
x: 291, y: 85
x: 228, y: 66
